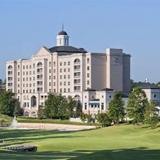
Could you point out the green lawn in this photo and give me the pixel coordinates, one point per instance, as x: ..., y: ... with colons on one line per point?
x: 5, y: 120
x: 125, y: 142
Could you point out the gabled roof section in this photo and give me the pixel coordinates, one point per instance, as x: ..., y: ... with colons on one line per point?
x: 43, y: 52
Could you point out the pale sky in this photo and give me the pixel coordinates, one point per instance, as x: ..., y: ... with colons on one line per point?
x: 134, y: 25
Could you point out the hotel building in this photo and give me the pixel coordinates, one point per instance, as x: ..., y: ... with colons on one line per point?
x: 67, y: 70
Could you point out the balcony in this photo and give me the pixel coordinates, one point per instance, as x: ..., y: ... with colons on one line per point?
x: 40, y: 77
x: 77, y: 82
x: 9, y: 72
x: 39, y: 83
x: 77, y: 74
x: 39, y: 70
x: 76, y: 69
x: 77, y: 88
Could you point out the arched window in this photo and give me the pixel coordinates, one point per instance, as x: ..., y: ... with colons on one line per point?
x: 33, y: 101
x: 10, y: 67
x: 77, y: 97
x: 77, y: 60
x: 39, y: 64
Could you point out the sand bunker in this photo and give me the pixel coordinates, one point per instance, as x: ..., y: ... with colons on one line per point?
x: 48, y: 126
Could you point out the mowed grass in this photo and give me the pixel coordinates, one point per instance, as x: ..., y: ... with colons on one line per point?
x: 124, y: 142
x: 5, y: 120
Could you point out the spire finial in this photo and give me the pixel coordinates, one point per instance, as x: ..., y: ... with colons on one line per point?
x: 62, y: 27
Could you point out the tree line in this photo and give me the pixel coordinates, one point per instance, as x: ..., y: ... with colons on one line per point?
x: 56, y: 106
x: 60, y: 107
x: 138, y: 110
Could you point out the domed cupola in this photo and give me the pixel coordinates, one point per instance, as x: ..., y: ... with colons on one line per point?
x: 62, y: 33
x: 62, y: 38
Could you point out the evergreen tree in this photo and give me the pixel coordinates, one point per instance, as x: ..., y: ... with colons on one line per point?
x: 9, y: 105
x: 18, y: 111
x: 116, y: 108
x: 40, y: 113
x: 151, y: 114
x: 78, y: 109
x: 71, y: 106
x: 137, y: 104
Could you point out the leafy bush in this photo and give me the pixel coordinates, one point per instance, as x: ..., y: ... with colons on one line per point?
x: 103, y: 119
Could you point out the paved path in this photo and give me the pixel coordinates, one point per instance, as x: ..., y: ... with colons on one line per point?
x: 49, y: 126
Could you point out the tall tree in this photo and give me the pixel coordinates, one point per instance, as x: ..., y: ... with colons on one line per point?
x: 78, y: 110
x: 71, y: 106
x: 151, y: 114
x: 9, y: 105
x: 56, y: 106
x: 137, y: 103
x: 116, y: 108
x: 40, y: 112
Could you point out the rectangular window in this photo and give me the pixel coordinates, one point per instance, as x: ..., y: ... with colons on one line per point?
x: 85, y: 106
x: 77, y: 74
x: 102, y: 106
x: 77, y: 88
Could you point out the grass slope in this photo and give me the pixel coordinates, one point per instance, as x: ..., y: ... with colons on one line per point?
x: 5, y: 120
x: 125, y: 142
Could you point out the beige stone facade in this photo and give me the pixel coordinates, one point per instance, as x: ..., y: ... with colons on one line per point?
x: 67, y: 70
x: 96, y: 101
